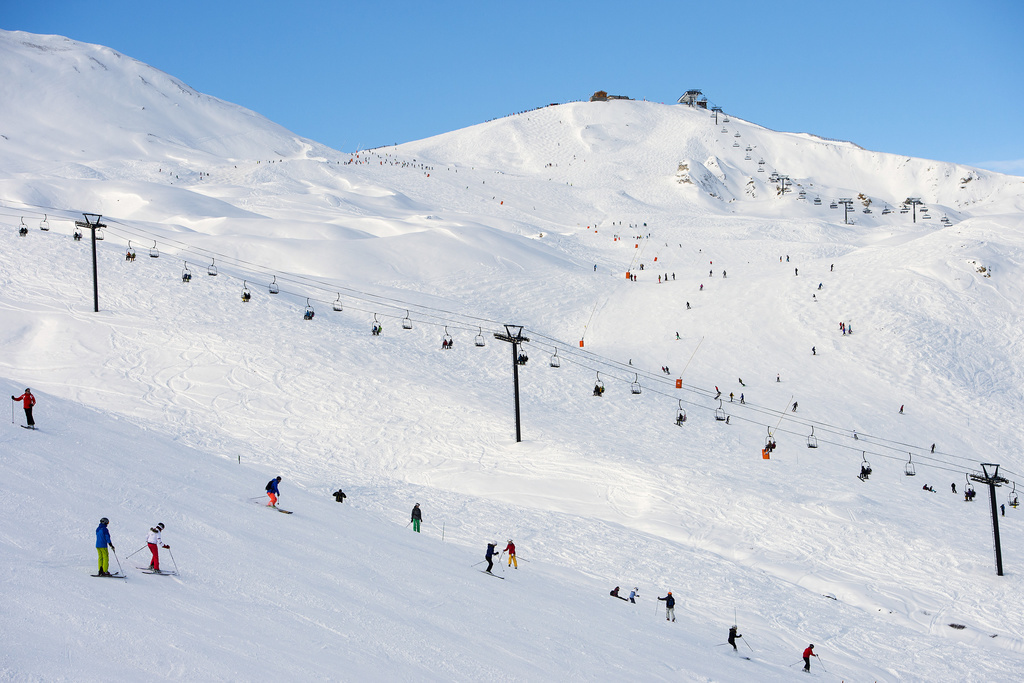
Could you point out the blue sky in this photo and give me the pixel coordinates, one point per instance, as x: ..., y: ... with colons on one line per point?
x: 933, y: 79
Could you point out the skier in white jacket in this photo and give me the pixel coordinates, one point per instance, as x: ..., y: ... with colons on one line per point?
x: 154, y: 541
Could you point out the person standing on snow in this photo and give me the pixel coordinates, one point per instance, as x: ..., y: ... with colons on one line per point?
x: 489, y: 556
x: 416, y: 517
x: 633, y: 594
x: 511, y: 550
x: 670, y: 607
x: 102, y: 542
x: 272, y: 491
x: 733, y: 636
x: 808, y: 653
x: 339, y: 496
x: 155, y: 542
x: 28, y: 400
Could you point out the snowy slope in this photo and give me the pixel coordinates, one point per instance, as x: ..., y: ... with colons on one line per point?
x: 178, y: 401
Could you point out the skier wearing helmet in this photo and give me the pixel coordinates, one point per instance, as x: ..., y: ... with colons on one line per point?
x: 102, y: 542
x: 155, y: 542
x: 670, y: 607
x: 511, y: 550
x: 28, y: 400
x: 273, y: 492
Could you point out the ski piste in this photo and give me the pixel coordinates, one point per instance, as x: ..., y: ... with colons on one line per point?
x: 484, y: 571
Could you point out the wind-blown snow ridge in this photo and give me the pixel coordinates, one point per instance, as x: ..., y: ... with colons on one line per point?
x: 178, y: 401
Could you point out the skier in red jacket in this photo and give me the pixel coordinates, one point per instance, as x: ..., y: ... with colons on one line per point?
x: 808, y: 653
x: 511, y: 550
x: 28, y: 400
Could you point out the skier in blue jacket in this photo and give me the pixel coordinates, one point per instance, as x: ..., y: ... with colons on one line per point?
x: 489, y: 556
x: 273, y: 492
x: 102, y: 541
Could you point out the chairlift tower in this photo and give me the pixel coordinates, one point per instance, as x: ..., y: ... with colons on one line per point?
x: 784, y: 182
x: 514, y: 336
x: 993, y: 480
x: 913, y: 201
x: 716, y: 111
x: 847, y: 203
x: 93, y: 225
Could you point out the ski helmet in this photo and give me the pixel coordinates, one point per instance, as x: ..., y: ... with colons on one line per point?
x: 279, y: 478
x: 811, y: 646
x: 161, y: 525
x: 104, y: 520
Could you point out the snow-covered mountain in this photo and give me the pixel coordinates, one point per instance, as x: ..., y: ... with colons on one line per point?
x: 177, y: 401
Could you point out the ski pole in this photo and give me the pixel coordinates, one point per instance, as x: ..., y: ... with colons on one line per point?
x: 119, y: 570
x: 172, y: 560
x: 821, y: 665
x: 137, y: 551
x: 478, y: 563
x: 747, y: 644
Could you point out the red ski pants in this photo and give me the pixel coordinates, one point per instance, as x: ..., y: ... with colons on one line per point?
x: 156, y: 555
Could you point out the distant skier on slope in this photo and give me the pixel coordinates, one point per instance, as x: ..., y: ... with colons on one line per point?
x: 339, y: 496
x: 511, y: 550
x: 102, y: 542
x: 633, y: 595
x: 489, y: 556
x: 272, y: 491
x: 416, y: 518
x: 615, y: 593
x: 808, y: 653
x: 28, y: 400
x: 155, y: 541
x: 670, y: 607
x: 733, y: 636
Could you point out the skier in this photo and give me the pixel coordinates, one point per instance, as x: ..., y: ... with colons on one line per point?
x: 741, y: 382
x: 633, y: 594
x: 953, y: 486
x: 1002, y: 508
x: 742, y: 400
x: 155, y: 541
x: 511, y: 550
x: 670, y: 607
x: 718, y: 392
x: 796, y: 271
x: 273, y: 492
x: 794, y: 406
x: 733, y: 636
x: 808, y: 653
x: 687, y: 306
x: 702, y: 287
x: 615, y: 594
x: 814, y: 351
x: 102, y: 542
x: 778, y: 377
x: 339, y: 496
x: 28, y: 400
x: 901, y: 409
x: 417, y: 517
x: 489, y: 556
x: 731, y: 395
x: 933, y: 448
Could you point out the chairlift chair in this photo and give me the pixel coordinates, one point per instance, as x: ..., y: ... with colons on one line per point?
x: 598, y: 386
x: 377, y: 328
x: 817, y: 201
x: 867, y: 210
x: 833, y: 205
x: 812, y: 440
x: 1011, y: 499
x: 99, y: 234
x: 212, y: 270
x: 274, y: 288
x: 725, y: 130
x: 186, y: 274
x: 154, y: 252
x: 886, y: 211
x: 926, y: 217
x: 736, y: 135
x: 555, y: 361
x: 406, y: 321
x: 735, y: 144
x: 44, y: 224
x: 680, y: 414
x: 129, y: 255
x: 446, y: 340
x: 634, y: 387
x: 720, y: 412
x: 337, y: 304
x: 746, y: 158
x: 725, y: 120
x: 479, y: 341
x: 749, y: 149
x: 769, y: 441
x: 245, y: 292
x: 909, y: 470
x: 865, y: 467
x: 308, y: 315
x: 77, y: 235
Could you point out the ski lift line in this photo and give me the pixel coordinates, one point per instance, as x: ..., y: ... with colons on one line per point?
x: 594, y: 357
x: 300, y: 279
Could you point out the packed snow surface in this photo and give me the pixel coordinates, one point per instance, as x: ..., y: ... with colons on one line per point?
x: 177, y: 401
